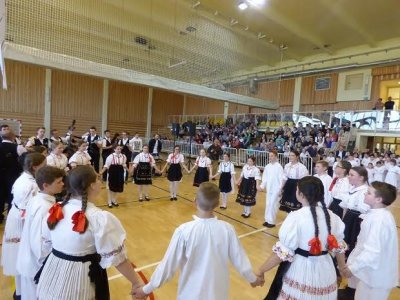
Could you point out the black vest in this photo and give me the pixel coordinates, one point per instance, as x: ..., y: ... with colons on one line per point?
x: 39, y: 143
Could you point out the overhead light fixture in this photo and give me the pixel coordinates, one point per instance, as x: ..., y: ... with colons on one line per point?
x: 196, y: 4
x: 261, y: 36
x: 271, y: 40
x: 243, y: 5
x: 246, y: 28
x: 283, y: 47
x: 234, y: 21
x: 256, y: 2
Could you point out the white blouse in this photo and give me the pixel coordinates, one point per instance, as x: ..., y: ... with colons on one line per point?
x: 115, y: 159
x: 144, y: 157
x: 326, y: 181
x: 175, y: 159
x: 250, y: 171
x: 295, y: 171
x: 355, y: 199
x: 203, y: 162
x: 226, y: 167
x: 58, y: 161
x: 340, y: 189
x: 80, y: 159
x: 24, y: 188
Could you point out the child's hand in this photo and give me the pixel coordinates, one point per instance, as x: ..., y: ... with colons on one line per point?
x: 259, y: 281
x: 345, y: 272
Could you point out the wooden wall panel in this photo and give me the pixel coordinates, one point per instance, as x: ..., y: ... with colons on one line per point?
x: 238, y: 109
x: 386, y: 70
x: 165, y: 103
x: 203, y: 106
x: 310, y: 96
x: 127, y: 107
x: 24, y: 97
x: 75, y: 96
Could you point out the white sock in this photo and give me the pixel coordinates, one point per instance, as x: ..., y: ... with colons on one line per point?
x: 224, y: 199
x: 176, y: 188
x: 18, y: 285
x: 171, y: 189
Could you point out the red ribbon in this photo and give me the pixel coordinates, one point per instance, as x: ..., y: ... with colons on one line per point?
x: 332, y: 242
x: 315, y: 246
x: 56, y: 213
x: 79, y: 221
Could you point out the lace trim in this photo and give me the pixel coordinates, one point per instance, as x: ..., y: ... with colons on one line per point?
x: 282, y: 252
x: 342, y: 248
x: 316, y: 291
x: 112, y: 253
x: 284, y: 296
x: 13, y: 240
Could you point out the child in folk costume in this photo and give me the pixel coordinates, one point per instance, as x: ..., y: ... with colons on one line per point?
x: 354, y: 205
x: 248, y: 182
x: 373, y: 264
x: 175, y: 161
x: 321, y: 168
x: 32, y: 251
x: 116, y: 167
x: 204, y: 169
x: 393, y: 172
x: 380, y: 171
x: 141, y: 168
x: 371, y: 172
x: 106, y: 149
x: 306, y: 270
x: 24, y: 189
x: 124, y: 142
x: 80, y: 157
x: 85, y: 241
x: 202, y: 249
x: 340, y: 187
x: 56, y: 158
x: 226, y: 172
x: 293, y: 172
x: 272, y: 180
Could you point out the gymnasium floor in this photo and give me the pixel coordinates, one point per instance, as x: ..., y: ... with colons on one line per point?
x: 150, y: 225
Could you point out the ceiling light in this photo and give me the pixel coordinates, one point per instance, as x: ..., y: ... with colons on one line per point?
x: 246, y: 28
x: 261, y: 36
x: 234, y: 21
x: 196, y: 4
x: 243, y: 6
x: 256, y: 2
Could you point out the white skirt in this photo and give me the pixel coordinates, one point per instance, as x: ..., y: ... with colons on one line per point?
x: 65, y: 280
x: 312, y: 278
x: 11, y: 242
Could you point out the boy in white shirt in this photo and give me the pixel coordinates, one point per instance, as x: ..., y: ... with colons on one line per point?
x: 202, y: 249
x: 372, y: 266
x: 321, y: 168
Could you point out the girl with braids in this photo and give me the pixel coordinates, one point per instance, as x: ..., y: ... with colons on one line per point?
x: 293, y: 171
x: 85, y: 241
x: 306, y: 270
x: 24, y: 189
x: 353, y: 205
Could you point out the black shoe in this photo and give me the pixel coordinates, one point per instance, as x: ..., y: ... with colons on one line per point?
x: 266, y: 224
x: 110, y: 206
x: 175, y: 198
x: 346, y: 293
x: 15, y: 297
x: 243, y: 215
x: 247, y: 216
x: 115, y: 204
x: 172, y: 198
x: 147, y: 198
x: 140, y: 199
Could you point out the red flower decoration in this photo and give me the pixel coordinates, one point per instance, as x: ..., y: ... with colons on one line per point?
x: 56, y: 213
x: 315, y: 246
x: 79, y: 221
x: 332, y: 242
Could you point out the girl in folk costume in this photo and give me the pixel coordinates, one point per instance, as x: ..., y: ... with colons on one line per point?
x: 80, y: 157
x: 32, y: 251
x: 321, y: 170
x: 354, y: 205
x: 85, y: 241
x: 106, y: 149
x: 204, y: 169
x: 24, y: 189
x: 116, y: 166
x: 56, y: 158
x: 272, y: 180
x: 175, y: 161
x: 293, y: 172
x: 227, y: 179
x: 393, y: 172
x: 141, y: 168
x: 306, y: 270
x: 248, y: 182
x: 340, y: 187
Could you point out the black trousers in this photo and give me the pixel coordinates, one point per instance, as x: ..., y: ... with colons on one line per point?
x: 95, y: 160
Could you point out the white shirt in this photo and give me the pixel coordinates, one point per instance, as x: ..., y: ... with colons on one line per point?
x: 144, y: 157
x: 175, y: 159
x: 33, y: 250
x: 371, y: 174
x: 202, y: 162
x: 226, y: 167
x: 365, y: 161
x: 295, y: 171
x: 80, y: 159
x: 272, y: 177
x: 392, y: 173
x: 330, y: 160
x: 353, y: 163
x: 374, y: 260
x: 104, y: 142
x: 115, y: 159
x: 379, y: 174
x: 201, y: 250
x: 340, y: 189
x: 58, y: 161
x: 326, y: 181
x: 24, y: 188
x: 136, y: 144
x: 355, y: 199
x: 250, y: 171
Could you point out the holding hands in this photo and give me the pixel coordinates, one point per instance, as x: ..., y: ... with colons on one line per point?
x: 137, y: 293
x: 260, y: 280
